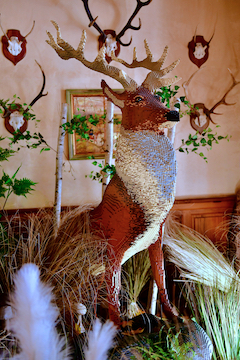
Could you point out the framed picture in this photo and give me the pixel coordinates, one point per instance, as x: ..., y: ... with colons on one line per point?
x: 90, y: 102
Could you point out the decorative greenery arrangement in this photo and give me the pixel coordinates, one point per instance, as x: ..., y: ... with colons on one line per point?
x: 82, y: 125
x: 10, y: 184
x: 206, y: 139
x: 166, y: 347
x: 106, y: 170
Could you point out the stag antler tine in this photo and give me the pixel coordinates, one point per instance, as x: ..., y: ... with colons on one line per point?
x: 41, y: 91
x: 148, y: 51
x: 2, y: 29
x: 82, y: 42
x: 235, y: 82
x: 163, y: 57
x: 92, y: 20
x: 31, y: 29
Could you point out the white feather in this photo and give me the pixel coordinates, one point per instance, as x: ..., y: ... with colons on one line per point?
x: 34, y: 317
x: 100, y: 340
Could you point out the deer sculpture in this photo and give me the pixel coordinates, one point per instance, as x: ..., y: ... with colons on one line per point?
x: 141, y: 193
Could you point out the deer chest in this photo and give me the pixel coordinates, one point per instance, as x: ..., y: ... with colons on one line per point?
x: 145, y: 162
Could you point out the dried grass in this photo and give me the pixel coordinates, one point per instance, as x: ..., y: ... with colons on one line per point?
x: 196, y: 257
x: 136, y: 273
x: 68, y: 262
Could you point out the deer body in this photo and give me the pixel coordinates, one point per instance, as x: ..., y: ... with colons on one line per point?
x: 140, y: 195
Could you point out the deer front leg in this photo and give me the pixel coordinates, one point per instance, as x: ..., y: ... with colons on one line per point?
x: 113, y: 282
x: 157, y: 264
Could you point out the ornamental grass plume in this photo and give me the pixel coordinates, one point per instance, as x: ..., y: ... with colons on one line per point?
x: 196, y: 257
x: 34, y: 318
x: 212, y: 287
x: 100, y: 340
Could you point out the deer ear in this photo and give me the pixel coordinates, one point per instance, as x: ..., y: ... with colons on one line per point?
x: 115, y: 98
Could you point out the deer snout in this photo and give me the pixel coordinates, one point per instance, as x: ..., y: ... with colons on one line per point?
x: 172, y: 115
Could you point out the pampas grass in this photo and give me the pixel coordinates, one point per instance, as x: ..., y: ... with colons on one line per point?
x: 100, y: 340
x: 34, y: 318
x: 212, y: 287
x: 196, y: 257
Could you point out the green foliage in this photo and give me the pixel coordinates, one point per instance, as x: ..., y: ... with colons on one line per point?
x: 82, y: 124
x: 24, y: 109
x: 28, y: 138
x: 5, y: 153
x: 9, y: 185
x: 197, y: 141
x: 166, y: 93
x: 106, y: 170
x: 166, y: 347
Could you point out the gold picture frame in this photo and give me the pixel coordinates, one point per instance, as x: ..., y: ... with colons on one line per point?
x: 89, y: 102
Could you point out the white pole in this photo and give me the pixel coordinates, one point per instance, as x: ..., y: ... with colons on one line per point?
x: 109, y: 141
x: 59, y: 162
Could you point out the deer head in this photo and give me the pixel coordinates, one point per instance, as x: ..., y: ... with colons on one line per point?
x: 15, y: 116
x: 140, y: 109
x: 109, y: 38
x: 14, y: 44
x: 200, y: 115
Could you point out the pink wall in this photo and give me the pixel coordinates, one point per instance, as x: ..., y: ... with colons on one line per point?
x: 164, y: 22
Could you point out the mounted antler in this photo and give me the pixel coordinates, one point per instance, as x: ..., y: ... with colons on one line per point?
x: 14, y: 44
x: 109, y: 37
x: 223, y: 100
x: 198, y: 49
x: 200, y: 116
x: 15, y: 116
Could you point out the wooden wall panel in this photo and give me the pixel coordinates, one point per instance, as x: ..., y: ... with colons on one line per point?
x: 209, y: 216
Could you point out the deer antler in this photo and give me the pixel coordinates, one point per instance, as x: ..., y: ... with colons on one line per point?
x: 30, y: 30
x: 140, y: 4
x: 2, y: 29
x: 154, y: 78
x: 41, y: 91
x: 66, y: 51
x: 92, y: 20
x: 186, y: 84
x: 223, y: 100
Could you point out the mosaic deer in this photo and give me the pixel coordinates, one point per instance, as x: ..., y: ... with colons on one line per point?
x: 140, y: 195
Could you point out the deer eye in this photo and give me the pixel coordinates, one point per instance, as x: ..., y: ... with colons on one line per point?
x: 138, y: 99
